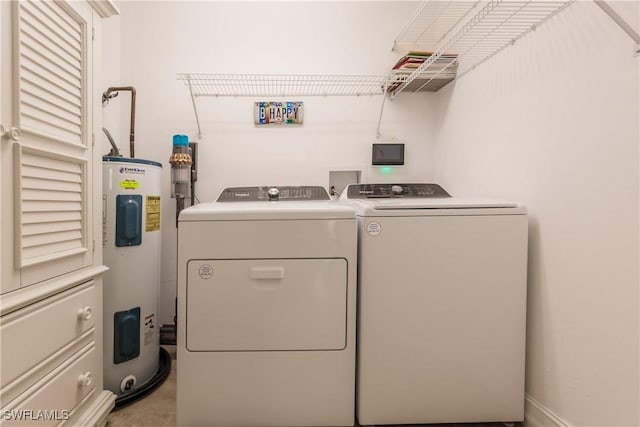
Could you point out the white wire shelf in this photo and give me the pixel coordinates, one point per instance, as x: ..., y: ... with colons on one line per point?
x: 474, y: 37
x: 431, y: 22
x: 280, y: 85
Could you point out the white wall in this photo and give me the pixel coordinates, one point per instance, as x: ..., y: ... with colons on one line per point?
x: 112, y: 118
x: 553, y: 122
x: 156, y: 40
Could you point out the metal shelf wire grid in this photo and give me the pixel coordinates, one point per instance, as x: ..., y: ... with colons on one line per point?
x: 431, y: 23
x: 497, y: 25
x: 280, y: 85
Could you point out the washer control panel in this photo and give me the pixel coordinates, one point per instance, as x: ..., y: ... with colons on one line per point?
x: 273, y: 193
x: 378, y: 191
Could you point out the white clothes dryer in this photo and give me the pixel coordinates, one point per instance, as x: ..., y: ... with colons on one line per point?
x: 442, y: 303
x: 267, y: 309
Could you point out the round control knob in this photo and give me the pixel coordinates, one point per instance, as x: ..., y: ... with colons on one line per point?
x: 396, y: 189
x: 273, y: 193
x: 85, y: 379
x: 85, y: 313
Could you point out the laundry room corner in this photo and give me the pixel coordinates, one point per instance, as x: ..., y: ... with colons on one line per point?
x: 546, y: 124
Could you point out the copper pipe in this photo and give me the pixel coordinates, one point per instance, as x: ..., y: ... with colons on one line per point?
x: 110, y: 94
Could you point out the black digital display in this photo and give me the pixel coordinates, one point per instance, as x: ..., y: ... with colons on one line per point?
x: 387, y: 154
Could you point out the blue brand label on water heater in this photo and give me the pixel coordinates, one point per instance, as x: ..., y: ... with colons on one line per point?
x: 132, y: 170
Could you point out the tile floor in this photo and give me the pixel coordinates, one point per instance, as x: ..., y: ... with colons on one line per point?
x: 158, y: 409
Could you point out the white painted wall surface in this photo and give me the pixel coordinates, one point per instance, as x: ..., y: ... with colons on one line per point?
x: 111, y: 69
x: 553, y: 122
x: 159, y: 39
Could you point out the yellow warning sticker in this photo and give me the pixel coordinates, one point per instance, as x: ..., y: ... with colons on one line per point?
x: 129, y: 184
x: 153, y: 213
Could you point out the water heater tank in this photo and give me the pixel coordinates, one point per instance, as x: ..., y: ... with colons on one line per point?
x: 131, y: 248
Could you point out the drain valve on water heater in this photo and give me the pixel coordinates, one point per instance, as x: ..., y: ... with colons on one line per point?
x: 128, y: 383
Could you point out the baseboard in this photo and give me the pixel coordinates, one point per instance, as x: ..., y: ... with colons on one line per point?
x: 537, y: 415
x: 96, y: 414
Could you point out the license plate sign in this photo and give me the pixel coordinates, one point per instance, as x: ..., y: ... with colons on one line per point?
x: 278, y: 113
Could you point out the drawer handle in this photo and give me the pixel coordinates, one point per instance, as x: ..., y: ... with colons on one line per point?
x: 85, y: 379
x: 266, y: 273
x: 85, y: 313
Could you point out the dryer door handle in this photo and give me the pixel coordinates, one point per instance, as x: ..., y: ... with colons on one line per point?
x: 266, y: 273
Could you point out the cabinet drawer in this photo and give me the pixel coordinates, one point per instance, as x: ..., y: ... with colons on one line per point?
x: 52, y: 399
x: 34, y: 333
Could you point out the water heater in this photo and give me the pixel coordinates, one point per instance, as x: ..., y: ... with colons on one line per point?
x: 131, y: 247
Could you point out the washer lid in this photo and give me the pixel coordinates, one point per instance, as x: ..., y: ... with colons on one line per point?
x: 248, y: 211
x: 435, y: 207
x: 443, y: 203
x: 420, y: 200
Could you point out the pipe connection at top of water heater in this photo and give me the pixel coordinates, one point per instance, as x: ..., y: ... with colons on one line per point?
x: 111, y: 93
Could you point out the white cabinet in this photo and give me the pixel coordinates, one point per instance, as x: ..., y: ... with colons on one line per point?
x: 53, y: 368
x: 50, y: 188
x: 46, y: 169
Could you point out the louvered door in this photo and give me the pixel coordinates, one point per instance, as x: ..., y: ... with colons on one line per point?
x: 52, y: 160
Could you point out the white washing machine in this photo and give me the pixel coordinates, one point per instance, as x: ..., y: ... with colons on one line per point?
x: 442, y: 302
x: 267, y: 309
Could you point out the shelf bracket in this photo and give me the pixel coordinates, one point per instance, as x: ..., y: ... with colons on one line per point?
x: 384, y: 97
x: 195, y: 108
x: 619, y: 20
x: 408, y: 25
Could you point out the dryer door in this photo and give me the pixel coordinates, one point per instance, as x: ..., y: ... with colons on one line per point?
x: 266, y: 304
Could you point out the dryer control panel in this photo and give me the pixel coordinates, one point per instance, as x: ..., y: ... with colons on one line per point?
x: 377, y: 191
x: 273, y: 193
